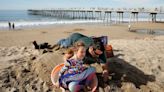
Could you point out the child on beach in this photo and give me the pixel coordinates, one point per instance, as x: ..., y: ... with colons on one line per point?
x: 74, y: 76
x: 67, y: 55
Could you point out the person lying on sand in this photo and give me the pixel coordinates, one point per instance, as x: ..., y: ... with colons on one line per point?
x: 75, y: 76
x: 72, y: 39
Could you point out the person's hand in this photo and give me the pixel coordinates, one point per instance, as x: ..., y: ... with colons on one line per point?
x: 98, y: 52
x: 86, y: 65
x: 91, y: 51
x: 56, y: 85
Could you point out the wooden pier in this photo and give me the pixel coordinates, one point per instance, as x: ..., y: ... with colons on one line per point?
x: 104, y: 14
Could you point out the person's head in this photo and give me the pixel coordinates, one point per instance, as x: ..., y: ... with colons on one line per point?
x: 80, y: 50
x: 97, y: 48
x: 95, y: 51
x: 68, y: 53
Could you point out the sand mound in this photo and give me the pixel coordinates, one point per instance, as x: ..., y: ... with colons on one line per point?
x: 45, y: 63
x: 16, y: 74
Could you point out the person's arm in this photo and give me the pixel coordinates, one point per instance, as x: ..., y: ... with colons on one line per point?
x: 62, y: 71
x: 89, y: 60
x: 65, y: 68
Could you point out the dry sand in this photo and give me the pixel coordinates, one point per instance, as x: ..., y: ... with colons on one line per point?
x: 138, y: 65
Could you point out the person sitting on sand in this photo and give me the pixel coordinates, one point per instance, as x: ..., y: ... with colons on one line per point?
x: 67, y: 55
x: 75, y: 75
x: 95, y: 54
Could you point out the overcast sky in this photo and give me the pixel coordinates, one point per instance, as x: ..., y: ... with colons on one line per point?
x: 48, y: 4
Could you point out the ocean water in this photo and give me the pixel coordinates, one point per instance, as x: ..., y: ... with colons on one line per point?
x: 21, y: 18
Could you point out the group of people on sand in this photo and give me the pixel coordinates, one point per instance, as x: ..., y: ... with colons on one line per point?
x: 81, y: 51
x: 11, y: 25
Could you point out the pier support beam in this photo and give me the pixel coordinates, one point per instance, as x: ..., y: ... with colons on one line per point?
x: 134, y: 16
x: 99, y: 15
x: 120, y: 16
x: 107, y: 17
x: 83, y: 14
x: 90, y: 14
x: 153, y: 17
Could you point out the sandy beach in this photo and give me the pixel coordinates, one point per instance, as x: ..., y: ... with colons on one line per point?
x: 138, y: 65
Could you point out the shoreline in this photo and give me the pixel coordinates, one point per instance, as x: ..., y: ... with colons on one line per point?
x: 36, y: 24
x: 40, y: 24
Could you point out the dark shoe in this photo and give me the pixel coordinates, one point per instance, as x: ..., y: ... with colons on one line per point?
x: 35, y: 45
